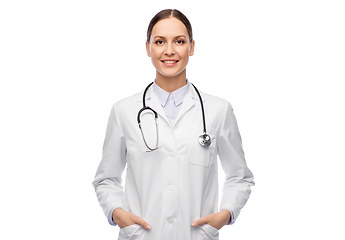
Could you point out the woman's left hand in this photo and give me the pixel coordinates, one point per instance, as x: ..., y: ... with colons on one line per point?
x: 217, y: 220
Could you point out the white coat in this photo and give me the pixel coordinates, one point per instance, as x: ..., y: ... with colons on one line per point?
x: 178, y: 183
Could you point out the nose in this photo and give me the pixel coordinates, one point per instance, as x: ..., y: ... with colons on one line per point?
x: 169, y: 49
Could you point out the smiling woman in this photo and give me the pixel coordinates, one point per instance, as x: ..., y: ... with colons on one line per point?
x: 171, y: 188
x: 169, y: 45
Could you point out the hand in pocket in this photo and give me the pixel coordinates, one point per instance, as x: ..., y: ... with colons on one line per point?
x: 124, y: 219
x: 216, y: 220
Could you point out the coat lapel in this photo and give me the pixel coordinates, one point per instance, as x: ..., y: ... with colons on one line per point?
x: 153, y: 102
x: 188, y: 102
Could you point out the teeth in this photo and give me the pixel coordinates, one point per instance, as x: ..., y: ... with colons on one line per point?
x: 169, y: 62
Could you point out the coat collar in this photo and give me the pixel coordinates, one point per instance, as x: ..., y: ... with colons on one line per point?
x: 191, y: 94
x: 153, y: 102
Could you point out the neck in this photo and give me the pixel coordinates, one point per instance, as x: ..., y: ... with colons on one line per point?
x: 171, y: 84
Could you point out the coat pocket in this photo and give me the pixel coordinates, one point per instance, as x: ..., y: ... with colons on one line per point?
x: 130, y: 232
x: 210, y: 231
x: 202, y: 155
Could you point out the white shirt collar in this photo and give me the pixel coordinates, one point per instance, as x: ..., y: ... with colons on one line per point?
x: 177, y: 95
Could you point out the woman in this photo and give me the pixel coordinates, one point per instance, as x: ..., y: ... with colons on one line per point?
x: 171, y: 187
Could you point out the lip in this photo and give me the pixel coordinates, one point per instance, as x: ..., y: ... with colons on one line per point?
x: 170, y: 64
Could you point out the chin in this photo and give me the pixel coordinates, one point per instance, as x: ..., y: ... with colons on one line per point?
x: 170, y: 73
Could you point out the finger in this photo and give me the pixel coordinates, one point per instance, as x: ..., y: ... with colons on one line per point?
x: 199, y: 222
x: 143, y: 223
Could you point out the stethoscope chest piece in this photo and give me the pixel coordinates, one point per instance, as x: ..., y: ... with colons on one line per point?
x: 205, y: 140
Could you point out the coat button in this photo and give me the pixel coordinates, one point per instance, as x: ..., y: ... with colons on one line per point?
x: 170, y: 220
x: 171, y: 187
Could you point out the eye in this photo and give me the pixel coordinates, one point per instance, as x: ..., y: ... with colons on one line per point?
x: 159, y: 42
x: 180, y: 42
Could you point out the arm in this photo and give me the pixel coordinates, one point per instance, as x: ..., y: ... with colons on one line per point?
x: 107, y: 182
x: 239, y: 178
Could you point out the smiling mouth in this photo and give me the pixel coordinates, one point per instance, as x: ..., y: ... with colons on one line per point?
x: 170, y: 61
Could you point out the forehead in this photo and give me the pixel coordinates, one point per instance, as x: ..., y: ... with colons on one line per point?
x: 169, y: 27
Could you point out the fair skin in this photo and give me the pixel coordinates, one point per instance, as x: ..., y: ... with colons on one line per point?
x: 170, y: 41
x: 169, y: 50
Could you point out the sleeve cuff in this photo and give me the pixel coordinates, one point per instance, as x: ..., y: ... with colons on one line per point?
x: 110, y: 217
x: 231, y: 221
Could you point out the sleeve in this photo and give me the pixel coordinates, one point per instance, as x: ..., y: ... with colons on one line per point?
x: 238, y: 177
x: 231, y: 220
x: 110, y: 216
x: 107, y: 182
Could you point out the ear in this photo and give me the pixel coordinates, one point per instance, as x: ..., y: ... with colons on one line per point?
x: 148, y: 49
x: 191, y: 51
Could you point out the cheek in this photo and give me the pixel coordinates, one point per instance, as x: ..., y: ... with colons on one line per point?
x: 184, y: 53
x: 155, y: 53
x: 184, y: 57
x: 155, y: 59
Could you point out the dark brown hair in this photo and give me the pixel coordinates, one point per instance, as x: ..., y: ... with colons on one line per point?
x: 168, y: 13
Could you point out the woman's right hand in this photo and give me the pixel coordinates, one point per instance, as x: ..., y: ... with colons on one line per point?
x: 124, y: 219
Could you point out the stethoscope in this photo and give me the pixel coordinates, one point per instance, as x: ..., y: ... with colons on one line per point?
x: 204, y: 139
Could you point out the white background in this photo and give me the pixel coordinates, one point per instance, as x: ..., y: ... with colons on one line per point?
x: 64, y: 63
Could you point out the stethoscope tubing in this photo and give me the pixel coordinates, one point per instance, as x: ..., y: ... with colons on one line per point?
x: 204, y: 139
x: 202, y: 109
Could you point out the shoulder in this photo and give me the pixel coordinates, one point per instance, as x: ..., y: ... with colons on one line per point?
x: 128, y: 102
x: 215, y: 101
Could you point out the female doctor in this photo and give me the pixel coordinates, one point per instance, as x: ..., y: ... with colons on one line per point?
x: 169, y: 137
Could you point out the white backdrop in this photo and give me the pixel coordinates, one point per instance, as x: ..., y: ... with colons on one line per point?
x: 64, y: 63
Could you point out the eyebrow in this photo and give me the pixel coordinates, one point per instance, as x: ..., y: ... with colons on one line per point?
x: 174, y: 37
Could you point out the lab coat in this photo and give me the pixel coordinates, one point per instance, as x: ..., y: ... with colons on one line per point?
x: 173, y: 186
